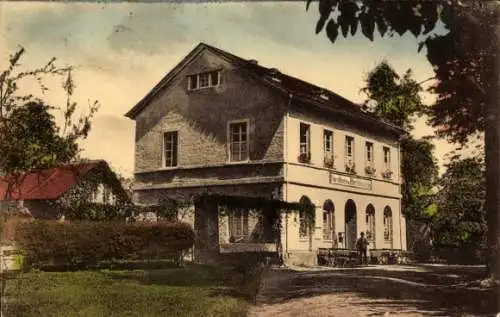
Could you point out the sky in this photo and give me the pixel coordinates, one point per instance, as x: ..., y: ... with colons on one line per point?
x: 121, y: 50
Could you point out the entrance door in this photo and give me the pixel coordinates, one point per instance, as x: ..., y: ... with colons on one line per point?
x: 350, y: 225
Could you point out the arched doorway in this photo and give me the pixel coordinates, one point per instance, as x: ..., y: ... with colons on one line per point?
x: 304, y: 222
x: 370, y: 225
x: 328, y: 221
x: 388, y: 230
x: 350, y: 224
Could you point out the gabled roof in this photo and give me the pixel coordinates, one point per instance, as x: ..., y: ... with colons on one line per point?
x: 47, y: 184
x: 299, y: 89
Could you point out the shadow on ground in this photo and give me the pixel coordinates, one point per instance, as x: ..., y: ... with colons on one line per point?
x: 443, y: 291
x: 222, y: 280
x: 189, y: 276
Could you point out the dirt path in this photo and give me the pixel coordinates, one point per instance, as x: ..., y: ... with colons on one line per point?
x: 373, y: 292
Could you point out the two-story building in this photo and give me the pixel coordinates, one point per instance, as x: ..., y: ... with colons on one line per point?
x: 225, y: 124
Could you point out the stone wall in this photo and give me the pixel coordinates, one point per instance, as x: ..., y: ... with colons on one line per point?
x: 201, y: 118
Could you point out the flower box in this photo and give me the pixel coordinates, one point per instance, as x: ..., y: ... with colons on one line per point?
x: 370, y: 170
x: 304, y: 158
x: 387, y: 174
x: 328, y: 162
x: 350, y: 167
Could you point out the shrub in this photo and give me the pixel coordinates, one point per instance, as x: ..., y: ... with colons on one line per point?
x: 95, y: 211
x: 84, y: 244
x: 8, y: 226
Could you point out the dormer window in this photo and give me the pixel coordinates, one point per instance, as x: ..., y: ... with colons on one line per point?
x: 274, y: 71
x: 321, y: 93
x: 204, y: 80
x: 274, y: 74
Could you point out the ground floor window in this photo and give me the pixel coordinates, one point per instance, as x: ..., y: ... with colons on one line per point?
x: 304, y: 221
x: 387, y: 224
x: 303, y: 225
x: 370, y: 224
x: 238, y: 225
x: 328, y: 221
x: 328, y: 231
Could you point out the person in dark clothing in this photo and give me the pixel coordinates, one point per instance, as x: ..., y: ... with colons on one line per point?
x: 362, y: 246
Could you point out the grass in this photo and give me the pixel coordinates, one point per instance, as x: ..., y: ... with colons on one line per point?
x: 195, y: 290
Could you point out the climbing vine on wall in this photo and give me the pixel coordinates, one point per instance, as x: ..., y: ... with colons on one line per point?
x: 258, y: 206
x: 77, y: 204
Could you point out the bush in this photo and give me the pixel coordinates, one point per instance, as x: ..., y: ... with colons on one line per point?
x: 8, y: 226
x: 95, y: 211
x: 83, y: 245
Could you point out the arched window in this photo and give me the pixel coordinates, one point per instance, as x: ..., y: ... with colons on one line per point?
x: 387, y: 224
x: 370, y: 224
x: 328, y: 220
x: 304, y: 223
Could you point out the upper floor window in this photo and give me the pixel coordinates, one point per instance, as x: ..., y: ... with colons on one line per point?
x: 238, y: 141
x: 170, y: 145
x: 328, y: 148
x: 305, y: 143
x: 387, y: 157
x: 369, y: 153
x: 328, y: 143
x: 204, y: 80
x: 349, y: 147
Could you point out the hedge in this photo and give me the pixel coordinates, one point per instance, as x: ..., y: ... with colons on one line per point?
x: 87, y: 243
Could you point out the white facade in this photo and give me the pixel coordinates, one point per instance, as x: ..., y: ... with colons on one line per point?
x: 320, y: 184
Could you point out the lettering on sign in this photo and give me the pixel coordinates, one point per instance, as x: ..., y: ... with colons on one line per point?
x: 351, y: 181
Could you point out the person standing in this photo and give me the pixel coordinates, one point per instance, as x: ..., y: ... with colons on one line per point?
x: 362, y: 246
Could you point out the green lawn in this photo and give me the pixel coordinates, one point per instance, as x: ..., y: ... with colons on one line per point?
x: 192, y: 291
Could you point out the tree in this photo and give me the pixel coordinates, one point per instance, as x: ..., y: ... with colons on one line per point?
x: 465, y: 63
x: 461, y: 217
x: 30, y: 137
x: 33, y: 140
x: 396, y: 100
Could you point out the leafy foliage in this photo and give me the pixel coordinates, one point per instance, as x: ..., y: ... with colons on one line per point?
x: 463, y: 59
x: 465, y: 64
x: 95, y: 211
x: 397, y: 100
x: 84, y: 244
x: 461, y: 217
x: 30, y: 137
x: 33, y: 140
x: 76, y: 203
x: 268, y: 207
x: 420, y: 173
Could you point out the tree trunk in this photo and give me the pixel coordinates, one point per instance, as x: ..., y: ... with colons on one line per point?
x: 492, y: 156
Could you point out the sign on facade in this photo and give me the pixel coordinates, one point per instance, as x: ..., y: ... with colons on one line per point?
x: 351, y: 181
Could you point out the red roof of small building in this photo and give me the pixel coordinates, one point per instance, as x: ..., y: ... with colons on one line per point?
x: 48, y: 184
